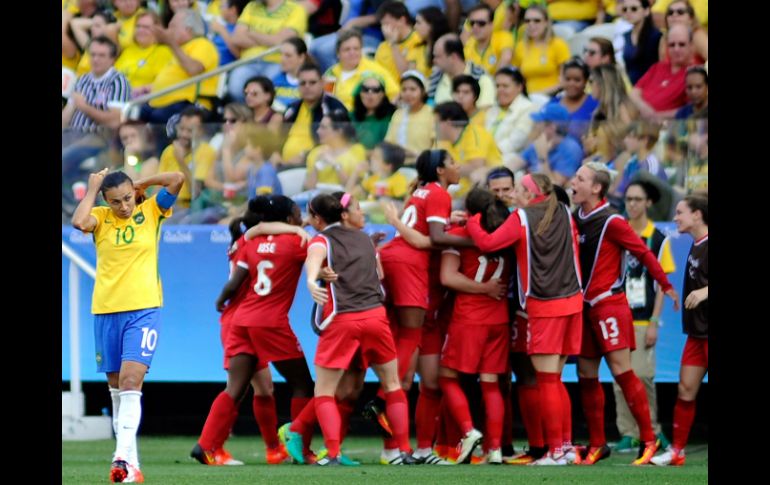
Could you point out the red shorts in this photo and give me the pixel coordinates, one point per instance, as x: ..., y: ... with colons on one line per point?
x: 405, y: 284
x: 367, y: 331
x: 555, y: 335
x: 224, y: 331
x: 520, y: 332
x: 696, y: 352
x: 268, y: 344
x: 607, y: 326
x: 472, y: 349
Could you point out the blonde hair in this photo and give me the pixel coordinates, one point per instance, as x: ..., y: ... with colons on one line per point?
x: 548, y: 34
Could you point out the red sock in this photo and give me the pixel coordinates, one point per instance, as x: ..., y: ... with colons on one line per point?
x: 636, y: 398
x: 566, y: 417
x: 298, y: 404
x: 507, y: 437
x: 453, y: 432
x: 529, y: 405
x: 219, y: 420
x: 345, y: 407
x: 267, y: 419
x: 408, y: 341
x: 550, y: 401
x: 426, y: 416
x: 457, y: 403
x: 225, y: 432
x: 329, y: 419
x: 684, y: 415
x: 305, y: 421
x: 592, y: 397
x: 442, y: 424
x: 493, y: 404
x: 397, y: 409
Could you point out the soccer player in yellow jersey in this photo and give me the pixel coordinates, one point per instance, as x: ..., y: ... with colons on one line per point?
x: 127, y: 294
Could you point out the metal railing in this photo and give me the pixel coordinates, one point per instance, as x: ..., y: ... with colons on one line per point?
x: 77, y: 264
x: 193, y: 80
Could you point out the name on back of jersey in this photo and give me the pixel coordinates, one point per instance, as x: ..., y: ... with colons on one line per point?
x: 266, y: 248
x: 421, y: 193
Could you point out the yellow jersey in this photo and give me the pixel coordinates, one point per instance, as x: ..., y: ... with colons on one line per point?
x: 127, y: 27
x: 474, y: 142
x: 199, y: 162
x: 540, y: 66
x: 203, y: 51
x: 413, y: 50
x: 289, y: 15
x: 141, y: 65
x: 488, y: 58
x: 348, y: 160
x: 300, y: 138
x: 127, y: 275
x: 394, y: 186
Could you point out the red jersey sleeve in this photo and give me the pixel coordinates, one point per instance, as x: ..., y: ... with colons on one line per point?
x: 620, y: 233
x: 438, y: 206
x: 504, y: 236
x: 318, y: 239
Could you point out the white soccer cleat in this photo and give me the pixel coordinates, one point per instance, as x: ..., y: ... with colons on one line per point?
x: 495, y: 457
x: 549, y: 459
x: 467, y: 444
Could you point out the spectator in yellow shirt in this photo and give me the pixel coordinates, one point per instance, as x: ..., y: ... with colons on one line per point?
x: 122, y: 31
x: 465, y: 92
x: 402, y: 49
x: 343, y: 77
x: 486, y: 47
x: 263, y: 25
x: 386, y: 180
x: 188, y: 155
x: 339, y: 159
x: 143, y: 60
x: 193, y: 55
x: 449, y: 62
x: 412, y: 126
x: 471, y: 146
x: 540, y: 53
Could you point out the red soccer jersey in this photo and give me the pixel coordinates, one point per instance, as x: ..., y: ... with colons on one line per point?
x: 274, y: 264
x: 233, y: 253
x: 605, y: 237
x: 429, y: 203
x: 478, y: 309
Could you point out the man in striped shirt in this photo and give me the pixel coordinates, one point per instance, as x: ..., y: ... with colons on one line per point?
x: 98, y: 94
x: 93, y: 108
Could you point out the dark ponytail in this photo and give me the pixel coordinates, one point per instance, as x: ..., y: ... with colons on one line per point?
x: 427, y: 167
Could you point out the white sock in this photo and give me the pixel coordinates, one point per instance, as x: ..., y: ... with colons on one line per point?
x: 390, y: 454
x: 422, y: 452
x: 115, y: 396
x: 130, y: 414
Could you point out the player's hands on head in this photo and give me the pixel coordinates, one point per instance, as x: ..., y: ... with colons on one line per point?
x: 95, y: 180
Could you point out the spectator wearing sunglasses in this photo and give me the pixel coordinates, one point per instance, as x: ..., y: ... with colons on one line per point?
x: 661, y: 91
x: 304, y: 115
x: 681, y: 12
x: 540, y: 53
x: 372, y: 110
x: 700, y: 7
x: 640, y: 44
x: 486, y: 47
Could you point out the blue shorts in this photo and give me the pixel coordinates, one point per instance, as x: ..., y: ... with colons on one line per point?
x: 125, y: 336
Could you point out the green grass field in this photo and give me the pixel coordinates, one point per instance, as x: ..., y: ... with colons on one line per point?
x: 165, y: 460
